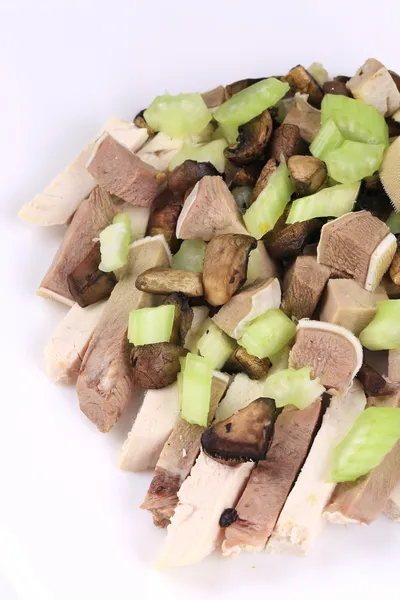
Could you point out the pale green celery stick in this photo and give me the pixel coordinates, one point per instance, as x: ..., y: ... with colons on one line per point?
x: 329, y: 202
x: 328, y: 138
x: 195, y: 390
x: 353, y: 161
x: 319, y: 73
x: 123, y: 217
x: 266, y: 335
x: 215, y: 346
x: 178, y: 116
x: 383, y: 332
x: 393, y: 222
x: 292, y: 386
x: 263, y: 214
x: 229, y: 132
x: 114, y: 247
x: 190, y: 256
x: 213, y: 152
x: 151, y: 325
x: 372, y: 436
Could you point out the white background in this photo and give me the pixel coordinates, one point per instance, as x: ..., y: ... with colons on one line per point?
x: 70, y: 526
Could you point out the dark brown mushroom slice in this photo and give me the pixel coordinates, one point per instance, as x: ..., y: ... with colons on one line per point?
x: 269, y: 168
x: 286, y: 141
x: 338, y: 88
x: 372, y: 382
x: 372, y: 197
x: 183, y: 316
x: 160, y: 280
x: 87, y: 284
x: 396, y: 78
x: 254, y: 367
x: 156, y: 365
x: 244, y: 436
x: 163, y: 218
x: 238, y: 86
x: 252, y: 140
x: 301, y: 81
x: 225, y: 266
x: 342, y: 78
x: 394, y: 127
x: 185, y: 176
x: 307, y: 173
x: 141, y: 122
x: 228, y: 516
x: 214, y: 97
x: 290, y: 241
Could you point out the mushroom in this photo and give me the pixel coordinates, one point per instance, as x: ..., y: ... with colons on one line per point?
x: 199, y: 325
x: 183, y: 317
x: 246, y: 175
x: 187, y: 174
x: 238, y: 86
x: 163, y: 218
x: 225, y: 266
x: 290, y: 241
x: 301, y: 81
x: 338, y: 88
x: 358, y: 244
x: 307, y: 173
x: 269, y: 168
x: 394, y: 365
x: 286, y: 141
x: 252, y: 140
x: 141, y: 123
x: 244, y: 436
x: 394, y: 271
x: 87, y: 284
x: 373, y: 84
x: 390, y: 173
x: 209, y: 209
x: 156, y: 365
x: 373, y: 197
x: 372, y: 382
x: 215, y: 97
x: 247, y: 305
x: 333, y: 353
x: 392, y: 290
x: 306, y: 117
x: 303, y: 287
x: 165, y: 281
x: 254, y: 367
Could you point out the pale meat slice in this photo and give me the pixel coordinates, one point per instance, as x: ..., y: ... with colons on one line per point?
x: 59, y: 201
x: 394, y: 366
x: 194, y: 531
x: 177, y: 458
x: 240, y: 394
x: 363, y: 500
x: 122, y: 173
x: 151, y: 429
x: 374, y: 84
x: 300, y: 521
x: 159, y: 151
x: 303, y: 286
x: 105, y: 384
x: 270, y: 482
x: 392, y: 508
x: 64, y: 352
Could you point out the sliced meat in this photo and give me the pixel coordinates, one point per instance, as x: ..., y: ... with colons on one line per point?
x: 105, y: 384
x: 240, y: 394
x: 159, y: 151
x: 392, y: 508
x: 394, y: 365
x: 303, y: 286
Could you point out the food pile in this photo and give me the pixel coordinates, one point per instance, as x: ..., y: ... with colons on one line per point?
x: 233, y: 253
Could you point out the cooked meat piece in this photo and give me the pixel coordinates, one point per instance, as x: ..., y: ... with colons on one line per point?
x: 87, y: 284
x: 105, y: 384
x: 240, y: 394
x: 394, y: 365
x: 159, y: 151
x: 306, y: 117
x: 286, y: 141
x: 392, y: 509
x: 270, y: 482
x: 261, y: 265
x: 374, y: 85
x: 163, y: 218
x: 372, y: 382
x: 185, y: 176
x: 303, y: 287
x: 214, y: 97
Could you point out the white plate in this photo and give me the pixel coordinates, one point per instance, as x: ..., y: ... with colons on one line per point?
x: 70, y: 526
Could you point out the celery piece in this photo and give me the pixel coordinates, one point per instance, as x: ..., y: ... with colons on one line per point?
x: 383, y: 332
x: 123, y: 217
x: 372, y: 436
x: 215, y: 346
x: 213, y: 152
x: 356, y: 120
x: 250, y: 102
x: 318, y: 72
x: 393, y: 222
x: 195, y: 390
x: 178, y: 116
x: 114, y: 247
x: 190, y: 256
x: 329, y: 202
x: 353, y: 161
x: 328, y: 138
x: 291, y: 386
x: 266, y: 335
x: 151, y: 325
x: 229, y: 132
x: 263, y: 214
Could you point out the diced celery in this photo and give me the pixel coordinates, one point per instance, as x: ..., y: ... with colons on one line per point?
x: 250, y: 102
x: 353, y: 161
x: 229, y: 132
x: 372, y: 436
x: 329, y: 202
x: 114, y: 247
x: 318, y: 72
x: 195, y: 390
x: 212, y: 152
x: 328, y: 138
x: 190, y: 256
x: 393, y: 222
x: 151, y: 325
x: 178, y: 116
x: 263, y: 214
x: 123, y: 217
x: 292, y: 386
x: 383, y: 332
x: 266, y: 335
x: 215, y: 346
x: 356, y: 120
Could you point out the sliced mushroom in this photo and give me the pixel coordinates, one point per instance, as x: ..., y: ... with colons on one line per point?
x: 246, y: 175
x: 186, y: 175
x: 87, y: 284
x: 338, y: 88
x: 286, y: 141
x: 164, y: 217
x: 394, y: 271
x: 306, y: 117
x: 269, y: 168
x: 225, y: 266
x: 372, y: 382
x: 303, y: 287
x: 307, y: 173
x: 252, y: 141
x: 373, y: 197
x: 141, y: 122
x: 165, y: 281
x: 290, y: 241
x: 390, y: 173
x: 238, y: 86
x: 254, y: 367
x: 373, y: 84
x: 358, y: 244
x: 342, y: 78
x: 333, y: 353
x: 215, y: 97
x: 242, y: 437
x: 156, y: 365
x: 301, y: 81
x: 183, y: 317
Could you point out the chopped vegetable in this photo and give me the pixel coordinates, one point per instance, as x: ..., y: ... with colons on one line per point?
x: 353, y: 161
x: 292, y: 386
x: 213, y: 152
x: 383, y: 332
x: 123, y: 217
x: 194, y: 387
x: 372, y: 436
x: 318, y: 72
x: 215, y: 346
x: 266, y: 335
x: 328, y: 138
x: 190, y: 256
x: 329, y: 202
x: 151, y: 325
x: 178, y: 116
x: 114, y: 246
x: 393, y: 222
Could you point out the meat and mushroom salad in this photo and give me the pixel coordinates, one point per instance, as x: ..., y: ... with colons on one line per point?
x: 232, y: 254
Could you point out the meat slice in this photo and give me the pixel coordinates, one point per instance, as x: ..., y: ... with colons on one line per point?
x: 240, y: 394
x: 151, y: 429
x: 270, y: 483
x: 303, y: 286
x: 105, y: 384
x: 67, y: 346
x: 394, y: 365
x: 194, y: 531
x: 392, y: 508
x: 177, y: 458
x: 300, y: 520
x: 124, y: 174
